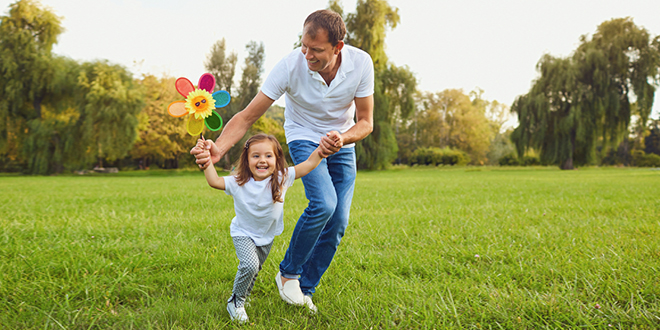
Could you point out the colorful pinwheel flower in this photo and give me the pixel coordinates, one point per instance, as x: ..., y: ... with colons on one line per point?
x: 199, y: 104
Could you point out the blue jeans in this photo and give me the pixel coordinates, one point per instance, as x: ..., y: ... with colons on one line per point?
x: 329, y: 189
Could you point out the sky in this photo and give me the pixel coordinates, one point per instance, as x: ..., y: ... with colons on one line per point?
x: 461, y: 44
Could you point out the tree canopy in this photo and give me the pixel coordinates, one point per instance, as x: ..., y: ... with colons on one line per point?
x: 587, y: 100
x: 394, y: 87
x: 27, y: 75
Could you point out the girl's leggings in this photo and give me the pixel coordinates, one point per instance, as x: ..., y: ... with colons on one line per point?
x: 250, y: 260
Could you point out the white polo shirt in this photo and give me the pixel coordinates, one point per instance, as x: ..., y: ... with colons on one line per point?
x: 312, y: 107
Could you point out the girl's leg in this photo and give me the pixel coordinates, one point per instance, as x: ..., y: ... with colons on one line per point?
x: 262, y: 253
x: 248, y: 268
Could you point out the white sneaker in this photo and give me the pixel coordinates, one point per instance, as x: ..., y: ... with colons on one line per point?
x: 237, y: 313
x: 290, y: 291
x: 310, y: 304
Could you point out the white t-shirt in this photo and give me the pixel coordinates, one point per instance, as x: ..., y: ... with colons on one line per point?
x: 312, y: 107
x: 256, y: 215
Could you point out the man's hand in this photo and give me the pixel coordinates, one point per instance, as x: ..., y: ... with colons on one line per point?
x: 330, y: 144
x: 206, y: 153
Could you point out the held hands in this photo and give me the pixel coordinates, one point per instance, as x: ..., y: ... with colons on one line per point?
x: 206, y: 153
x: 330, y: 144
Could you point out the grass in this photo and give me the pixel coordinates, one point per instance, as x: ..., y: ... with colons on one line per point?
x: 461, y: 248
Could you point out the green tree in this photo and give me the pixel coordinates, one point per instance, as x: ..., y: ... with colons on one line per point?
x: 585, y: 100
x: 109, y: 105
x: 652, y: 141
x: 221, y: 66
x: 49, y: 143
x: 394, y: 87
x: 248, y: 88
x: 162, y: 139
x: 452, y: 119
x: 252, y: 71
x: 546, y: 120
x: 27, y: 76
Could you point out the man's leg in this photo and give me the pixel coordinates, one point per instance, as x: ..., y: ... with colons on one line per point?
x: 342, y: 170
x: 320, y: 192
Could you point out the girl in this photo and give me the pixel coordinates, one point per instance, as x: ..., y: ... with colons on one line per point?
x: 258, y: 186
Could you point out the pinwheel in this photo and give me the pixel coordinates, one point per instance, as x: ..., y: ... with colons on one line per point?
x: 199, y: 104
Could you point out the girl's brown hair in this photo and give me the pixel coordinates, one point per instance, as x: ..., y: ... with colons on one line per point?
x: 242, y: 172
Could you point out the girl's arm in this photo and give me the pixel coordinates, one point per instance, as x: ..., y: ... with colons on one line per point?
x: 310, y: 164
x: 213, y: 179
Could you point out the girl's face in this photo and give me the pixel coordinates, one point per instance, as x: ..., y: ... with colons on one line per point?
x: 261, y: 158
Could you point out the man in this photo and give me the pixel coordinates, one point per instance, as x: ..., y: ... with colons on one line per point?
x: 326, y: 85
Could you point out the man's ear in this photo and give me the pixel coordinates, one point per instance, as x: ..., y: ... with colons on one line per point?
x: 339, y: 46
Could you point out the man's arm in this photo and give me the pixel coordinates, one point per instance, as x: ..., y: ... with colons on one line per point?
x: 233, y: 131
x: 364, y: 112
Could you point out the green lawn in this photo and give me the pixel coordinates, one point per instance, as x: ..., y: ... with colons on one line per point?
x: 462, y: 248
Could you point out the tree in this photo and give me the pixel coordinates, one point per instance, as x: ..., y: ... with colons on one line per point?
x: 27, y: 36
x: 652, y: 141
x: 222, y: 67
x: 252, y: 71
x: 546, y: 120
x: 248, y: 88
x: 49, y: 142
x: 452, y: 119
x: 394, y: 87
x: 109, y: 104
x: 161, y: 139
x: 585, y: 100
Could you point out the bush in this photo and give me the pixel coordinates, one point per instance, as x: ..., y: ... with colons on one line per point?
x: 512, y: 160
x: 437, y: 156
x: 642, y: 159
x: 530, y: 161
x: 509, y: 160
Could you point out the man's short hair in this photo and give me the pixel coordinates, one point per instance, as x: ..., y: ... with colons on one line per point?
x: 328, y: 20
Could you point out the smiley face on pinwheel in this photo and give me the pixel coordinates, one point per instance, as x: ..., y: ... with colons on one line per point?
x: 199, y: 104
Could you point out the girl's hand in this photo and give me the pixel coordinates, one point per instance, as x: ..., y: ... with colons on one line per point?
x: 206, y: 153
x: 331, y: 143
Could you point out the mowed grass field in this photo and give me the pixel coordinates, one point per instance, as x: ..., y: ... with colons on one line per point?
x: 427, y: 248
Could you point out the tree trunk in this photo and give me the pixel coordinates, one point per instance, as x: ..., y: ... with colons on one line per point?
x: 37, y: 107
x: 568, y: 163
x: 58, y: 167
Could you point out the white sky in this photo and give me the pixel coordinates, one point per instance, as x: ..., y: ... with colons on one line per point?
x: 493, y: 45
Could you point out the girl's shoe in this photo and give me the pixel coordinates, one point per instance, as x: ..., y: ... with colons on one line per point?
x: 237, y: 313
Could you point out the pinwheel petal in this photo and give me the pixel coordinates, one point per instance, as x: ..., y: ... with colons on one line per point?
x: 213, y: 122
x: 194, y: 126
x: 184, y: 86
x: 206, y: 82
x: 221, y: 98
x: 177, y: 109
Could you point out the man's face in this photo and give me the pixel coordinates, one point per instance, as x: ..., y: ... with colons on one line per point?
x: 320, y: 54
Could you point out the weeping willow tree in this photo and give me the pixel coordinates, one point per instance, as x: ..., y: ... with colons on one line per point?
x: 394, y: 87
x: 27, y: 75
x: 587, y: 100
x: 109, y: 103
